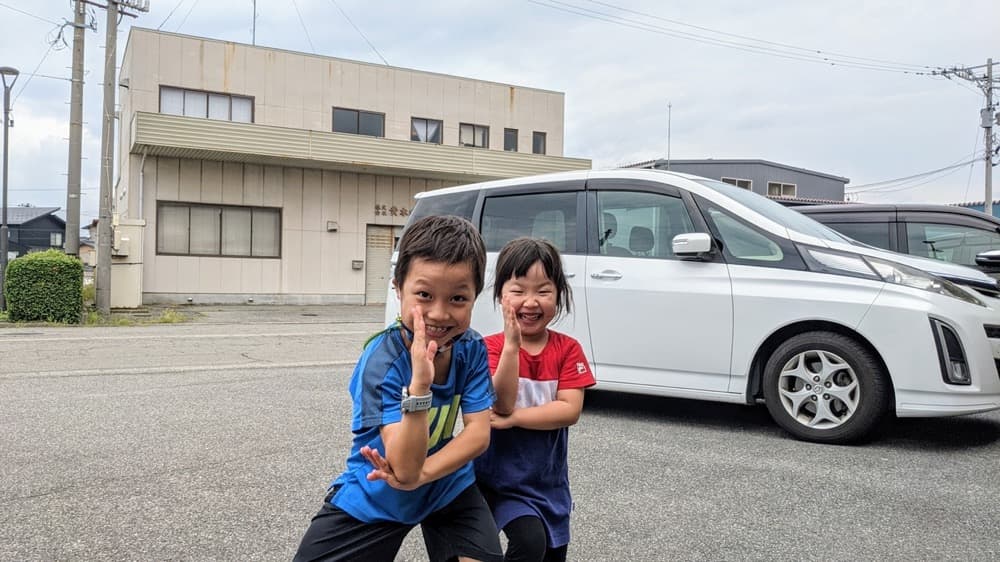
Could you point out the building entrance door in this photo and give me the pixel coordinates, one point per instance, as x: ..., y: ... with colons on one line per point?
x: 380, y: 240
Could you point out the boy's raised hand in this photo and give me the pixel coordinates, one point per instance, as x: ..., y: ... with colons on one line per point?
x: 423, y: 353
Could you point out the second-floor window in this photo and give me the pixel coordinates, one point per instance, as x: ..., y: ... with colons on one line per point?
x: 358, y: 122
x: 510, y: 140
x: 211, y: 105
x: 425, y: 130
x: 473, y: 135
x: 538, y: 142
x: 745, y: 184
x: 778, y: 189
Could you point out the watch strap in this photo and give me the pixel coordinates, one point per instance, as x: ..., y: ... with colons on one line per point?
x: 415, y: 403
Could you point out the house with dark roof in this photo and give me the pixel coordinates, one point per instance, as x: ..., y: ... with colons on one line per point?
x: 786, y: 184
x: 32, y: 229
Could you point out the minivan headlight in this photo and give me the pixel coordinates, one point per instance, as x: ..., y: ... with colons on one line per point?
x: 907, y: 276
x: 855, y: 265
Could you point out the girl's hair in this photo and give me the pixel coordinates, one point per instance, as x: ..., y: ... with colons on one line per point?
x: 443, y: 239
x: 517, y: 257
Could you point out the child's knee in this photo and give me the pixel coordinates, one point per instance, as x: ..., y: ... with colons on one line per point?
x: 526, y: 539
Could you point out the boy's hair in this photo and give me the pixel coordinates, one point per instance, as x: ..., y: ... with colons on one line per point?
x: 517, y: 257
x: 443, y: 239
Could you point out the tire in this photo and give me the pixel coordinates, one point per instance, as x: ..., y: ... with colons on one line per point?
x: 842, y: 397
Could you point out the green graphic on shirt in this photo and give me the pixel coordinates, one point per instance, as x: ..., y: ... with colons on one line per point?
x: 442, y: 421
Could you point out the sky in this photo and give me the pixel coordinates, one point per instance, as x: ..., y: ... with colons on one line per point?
x: 843, y: 88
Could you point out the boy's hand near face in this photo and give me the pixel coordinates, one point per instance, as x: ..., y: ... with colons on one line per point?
x: 423, y: 353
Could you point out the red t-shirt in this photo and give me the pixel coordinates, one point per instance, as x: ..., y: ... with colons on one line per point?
x: 561, y: 365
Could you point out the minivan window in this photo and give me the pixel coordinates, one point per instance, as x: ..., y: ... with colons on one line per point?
x: 746, y: 245
x: 460, y: 204
x: 949, y: 242
x: 551, y: 216
x: 868, y: 233
x: 640, y: 224
x: 774, y: 211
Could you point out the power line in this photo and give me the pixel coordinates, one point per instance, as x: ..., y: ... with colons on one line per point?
x: 348, y: 18
x: 183, y: 21
x: 178, y: 5
x: 889, y: 183
x: 824, y: 58
x: 763, y: 41
x: 29, y: 14
x: 298, y: 13
x: 33, y: 72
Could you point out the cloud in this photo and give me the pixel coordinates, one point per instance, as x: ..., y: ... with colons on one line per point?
x: 726, y: 102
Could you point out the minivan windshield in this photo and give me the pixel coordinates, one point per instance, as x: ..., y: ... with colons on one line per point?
x: 776, y: 211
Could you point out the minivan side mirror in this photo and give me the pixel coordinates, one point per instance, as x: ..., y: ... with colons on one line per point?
x: 988, y: 258
x: 691, y: 244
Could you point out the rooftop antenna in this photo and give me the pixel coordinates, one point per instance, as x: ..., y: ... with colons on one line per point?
x: 253, y: 31
x: 668, y: 134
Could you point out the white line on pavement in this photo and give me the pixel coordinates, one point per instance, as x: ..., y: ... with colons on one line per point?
x: 174, y: 370
x: 180, y: 336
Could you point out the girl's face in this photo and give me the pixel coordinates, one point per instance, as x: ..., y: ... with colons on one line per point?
x: 533, y: 298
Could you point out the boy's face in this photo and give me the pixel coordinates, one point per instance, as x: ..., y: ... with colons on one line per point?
x: 445, y: 294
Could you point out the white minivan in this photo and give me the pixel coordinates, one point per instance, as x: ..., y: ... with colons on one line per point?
x: 689, y: 287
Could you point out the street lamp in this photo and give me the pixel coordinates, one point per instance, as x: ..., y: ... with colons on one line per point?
x: 11, y: 73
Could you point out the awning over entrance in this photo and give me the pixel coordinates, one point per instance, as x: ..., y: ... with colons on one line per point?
x: 189, y: 137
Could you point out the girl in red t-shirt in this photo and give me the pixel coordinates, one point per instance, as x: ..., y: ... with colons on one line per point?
x: 539, y: 376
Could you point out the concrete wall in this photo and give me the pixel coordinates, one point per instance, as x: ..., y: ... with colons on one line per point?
x: 315, y: 264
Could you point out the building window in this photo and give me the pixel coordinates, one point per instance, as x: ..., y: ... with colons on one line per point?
x: 191, y: 229
x: 778, y: 189
x: 358, y: 122
x: 425, y: 130
x: 210, y: 105
x: 537, y: 143
x: 745, y: 184
x: 473, y: 135
x: 510, y: 140
x: 56, y: 239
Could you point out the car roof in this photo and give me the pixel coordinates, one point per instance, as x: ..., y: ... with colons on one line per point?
x: 895, y: 207
x: 624, y: 173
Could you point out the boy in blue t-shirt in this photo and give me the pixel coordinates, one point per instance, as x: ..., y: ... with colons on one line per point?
x: 405, y: 467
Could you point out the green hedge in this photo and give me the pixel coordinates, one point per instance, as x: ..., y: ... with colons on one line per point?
x: 45, y: 286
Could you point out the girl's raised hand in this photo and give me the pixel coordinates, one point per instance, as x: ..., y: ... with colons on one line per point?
x: 423, y: 353
x: 511, y: 329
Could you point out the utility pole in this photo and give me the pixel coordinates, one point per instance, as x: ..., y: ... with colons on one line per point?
x: 987, y: 117
x: 987, y: 123
x: 75, y: 133
x: 5, y: 73
x: 102, y: 277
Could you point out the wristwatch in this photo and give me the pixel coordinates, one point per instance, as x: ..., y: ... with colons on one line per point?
x: 415, y: 403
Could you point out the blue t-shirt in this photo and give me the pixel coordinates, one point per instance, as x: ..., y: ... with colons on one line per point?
x: 376, y: 388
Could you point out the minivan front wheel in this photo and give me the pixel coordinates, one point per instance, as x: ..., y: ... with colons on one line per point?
x: 825, y: 387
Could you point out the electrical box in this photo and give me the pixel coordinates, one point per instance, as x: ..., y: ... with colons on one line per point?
x: 119, y: 244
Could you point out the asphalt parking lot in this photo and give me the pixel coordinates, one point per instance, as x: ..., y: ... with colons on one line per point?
x: 214, y: 439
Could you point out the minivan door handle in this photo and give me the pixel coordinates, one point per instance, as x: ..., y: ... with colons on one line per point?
x: 606, y: 274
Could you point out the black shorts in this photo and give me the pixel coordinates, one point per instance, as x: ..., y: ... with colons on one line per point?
x: 464, y: 527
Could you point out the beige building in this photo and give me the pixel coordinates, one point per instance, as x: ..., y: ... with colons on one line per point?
x: 255, y: 173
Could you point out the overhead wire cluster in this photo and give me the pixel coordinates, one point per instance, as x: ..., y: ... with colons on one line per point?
x: 626, y: 17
